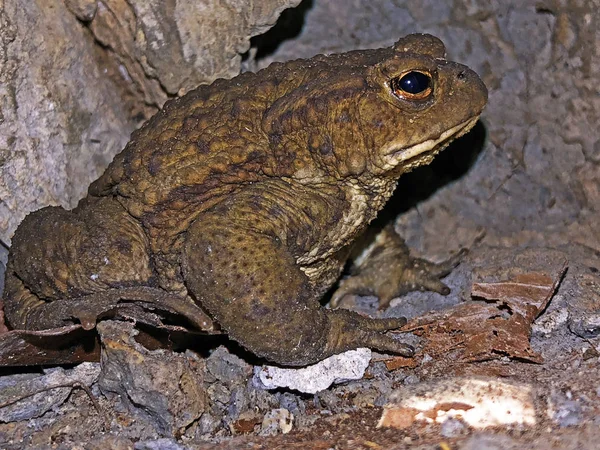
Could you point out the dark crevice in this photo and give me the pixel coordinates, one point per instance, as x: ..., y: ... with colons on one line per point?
x: 288, y: 26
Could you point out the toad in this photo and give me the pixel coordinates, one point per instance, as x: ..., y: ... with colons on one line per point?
x: 244, y: 197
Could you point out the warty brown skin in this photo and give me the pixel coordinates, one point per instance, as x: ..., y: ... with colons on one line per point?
x: 244, y: 196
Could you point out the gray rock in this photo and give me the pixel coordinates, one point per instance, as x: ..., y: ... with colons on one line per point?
x: 208, y: 423
x: 292, y: 403
x: 329, y: 400
x: 218, y: 393
x: 63, y: 118
x: 566, y: 412
x: 453, y: 428
x: 161, y: 387
x: 33, y: 395
x: 228, y: 368
x: 482, y: 441
x: 238, y: 402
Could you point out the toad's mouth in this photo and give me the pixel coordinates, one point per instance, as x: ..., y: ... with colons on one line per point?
x: 423, y: 152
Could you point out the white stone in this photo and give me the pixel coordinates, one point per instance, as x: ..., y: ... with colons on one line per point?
x: 480, y: 402
x: 350, y: 365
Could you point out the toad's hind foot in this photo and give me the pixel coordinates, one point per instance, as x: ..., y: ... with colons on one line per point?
x: 351, y: 330
x: 388, y: 271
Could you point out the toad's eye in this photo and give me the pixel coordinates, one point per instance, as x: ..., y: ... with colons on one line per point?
x: 413, y: 85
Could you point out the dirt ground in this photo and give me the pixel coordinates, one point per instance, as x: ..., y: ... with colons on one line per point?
x: 521, y: 192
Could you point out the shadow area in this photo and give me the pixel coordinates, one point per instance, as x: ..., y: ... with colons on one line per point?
x: 288, y: 26
x: 450, y: 165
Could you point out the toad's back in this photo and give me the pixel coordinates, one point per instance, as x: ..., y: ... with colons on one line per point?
x: 203, y: 146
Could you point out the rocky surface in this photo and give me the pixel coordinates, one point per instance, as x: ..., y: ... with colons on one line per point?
x: 528, y: 201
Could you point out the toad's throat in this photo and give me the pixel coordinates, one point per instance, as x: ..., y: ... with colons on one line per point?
x: 429, y: 148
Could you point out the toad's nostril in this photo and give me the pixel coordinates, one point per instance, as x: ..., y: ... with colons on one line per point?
x: 461, y: 75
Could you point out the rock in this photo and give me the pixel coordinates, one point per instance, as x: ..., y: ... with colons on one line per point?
x: 479, y: 402
x: 109, y: 442
x: 568, y: 414
x: 493, y: 442
x: 238, y: 402
x: 160, y: 387
x: 228, y: 368
x: 218, y: 393
x: 34, y: 395
x: 84, y: 10
x: 159, y: 444
x: 350, y: 365
x: 3, y: 260
x: 63, y: 118
x: 453, y: 428
x: 565, y: 409
x: 277, y: 421
x: 246, y: 423
x: 292, y: 403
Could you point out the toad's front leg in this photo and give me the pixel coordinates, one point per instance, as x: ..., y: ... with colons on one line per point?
x: 250, y: 282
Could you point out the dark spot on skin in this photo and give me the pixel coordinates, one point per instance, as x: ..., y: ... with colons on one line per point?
x: 344, y: 117
x: 189, y: 123
x: 258, y: 309
x: 123, y: 246
x: 319, y: 104
x: 255, y: 203
x: 336, y: 215
x: 346, y: 92
x: 127, y: 159
x: 286, y: 160
x: 286, y: 118
x: 236, y: 109
x: 255, y: 155
x: 202, y: 93
x: 326, y: 147
x: 275, y: 138
x: 155, y: 165
x: 203, y: 147
x: 275, y: 211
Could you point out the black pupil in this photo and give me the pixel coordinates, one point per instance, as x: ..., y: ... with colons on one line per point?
x: 414, y: 82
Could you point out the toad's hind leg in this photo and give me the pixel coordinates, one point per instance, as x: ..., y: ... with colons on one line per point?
x: 58, y: 254
x: 252, y: 286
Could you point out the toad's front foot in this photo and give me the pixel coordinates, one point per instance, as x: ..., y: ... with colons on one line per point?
x: 388, y: 271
